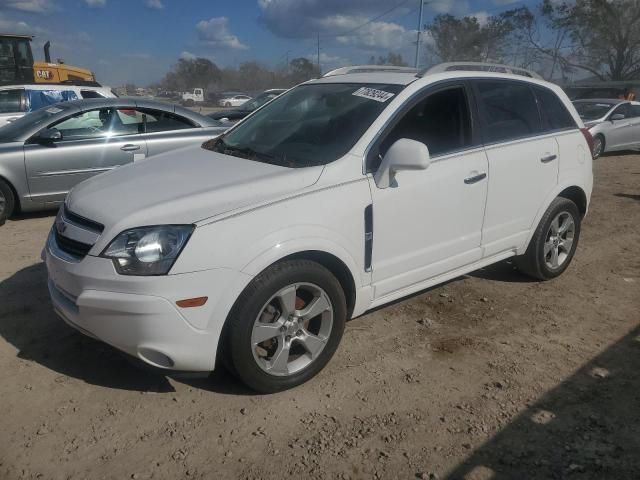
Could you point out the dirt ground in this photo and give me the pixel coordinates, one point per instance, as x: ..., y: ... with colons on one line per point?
x: 489, y: 376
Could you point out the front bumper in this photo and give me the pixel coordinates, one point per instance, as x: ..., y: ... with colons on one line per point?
x: 138, y: 315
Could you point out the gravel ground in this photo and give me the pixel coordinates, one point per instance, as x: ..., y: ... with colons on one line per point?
x: 488, y: 376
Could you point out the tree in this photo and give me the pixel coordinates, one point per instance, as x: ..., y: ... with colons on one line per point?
x: 188, y: 74
x: 603, y: 35
x: 391, y: 59
x: 302, y: 70
x: 467, y: 39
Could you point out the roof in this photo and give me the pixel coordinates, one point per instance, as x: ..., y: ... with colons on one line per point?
x: 16, y: 35
x: 53, y: 86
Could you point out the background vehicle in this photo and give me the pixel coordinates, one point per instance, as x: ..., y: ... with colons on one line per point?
x: 17, y: 65
x: 247, y: 107
x: 233, y: 100
x: 44, y: 154
x: 614, y: 124
x: 191, y: 98
x: 18, y: 100
x: 341, y: 195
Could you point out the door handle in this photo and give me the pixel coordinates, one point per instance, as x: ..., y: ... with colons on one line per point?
x: 475, y: 178
x: 548, y: 158
x: 129, y: 147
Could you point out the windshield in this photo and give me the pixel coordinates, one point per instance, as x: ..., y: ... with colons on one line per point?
x: 592, y: 110
x: 310, y: 125
x: 257, y: 102
x: 14, y: 130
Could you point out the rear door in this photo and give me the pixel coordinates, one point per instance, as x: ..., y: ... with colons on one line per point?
x: 93, y: 142
x: 523, y: 162
x: 167, y: 131
x: 634, y: 128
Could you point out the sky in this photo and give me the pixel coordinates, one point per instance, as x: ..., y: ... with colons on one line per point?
x: 137, y: 41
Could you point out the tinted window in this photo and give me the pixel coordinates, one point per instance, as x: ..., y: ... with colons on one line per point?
x: 554, y: 114
x: 592, y: 110
x: 12, y: 101
x: 158, y: 121
x: 509, y: 109
x: 90, y: 94
x: 622, y: 110
x: 441, y: 121
x: 634, y: 111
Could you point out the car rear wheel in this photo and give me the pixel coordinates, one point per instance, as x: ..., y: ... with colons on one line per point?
x: 7, y: 201
x: 554, y: 242
x: 598, y: 146
x: 227, y: 104
x: 285, y: 326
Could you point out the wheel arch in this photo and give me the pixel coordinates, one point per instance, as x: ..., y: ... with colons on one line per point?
x: 16, y: 197
x: 570, y: 190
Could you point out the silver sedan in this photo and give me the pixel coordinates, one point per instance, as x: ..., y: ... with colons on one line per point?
x: 47, y: 152
x: 614, y: 124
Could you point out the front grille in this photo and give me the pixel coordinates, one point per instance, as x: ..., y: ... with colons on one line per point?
x: 72, y: 247
x: 81, y: 221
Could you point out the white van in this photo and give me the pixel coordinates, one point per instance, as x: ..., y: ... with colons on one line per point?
x: 18, y: 100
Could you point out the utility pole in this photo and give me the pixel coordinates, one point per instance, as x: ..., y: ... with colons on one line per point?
x: 419, y: 32
x: 319, y: 71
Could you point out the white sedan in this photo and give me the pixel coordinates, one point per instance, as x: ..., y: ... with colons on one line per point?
x: 233, y: 101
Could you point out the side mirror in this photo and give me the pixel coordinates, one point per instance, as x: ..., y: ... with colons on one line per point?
x: 49, y: 135
x: 617, y: 116
x: 404, y: 154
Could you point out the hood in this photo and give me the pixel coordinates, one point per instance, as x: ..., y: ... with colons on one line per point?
x: 183, y: 186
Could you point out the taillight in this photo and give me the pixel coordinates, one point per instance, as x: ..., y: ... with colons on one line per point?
x: 589, y: 138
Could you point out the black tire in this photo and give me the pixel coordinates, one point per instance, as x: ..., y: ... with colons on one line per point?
x: 227, y: 104
x: 7, y: 201
x: 248, y: 306
x: 533, y: 262
x: 189, y: 103
x: 597, y: 152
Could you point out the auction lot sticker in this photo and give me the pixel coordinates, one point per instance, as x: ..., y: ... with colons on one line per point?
x: 373, y: 94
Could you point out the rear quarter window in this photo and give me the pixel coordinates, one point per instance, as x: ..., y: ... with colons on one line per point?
x: 12, y: 101
x: 555, y: 115
x: 509, y: 110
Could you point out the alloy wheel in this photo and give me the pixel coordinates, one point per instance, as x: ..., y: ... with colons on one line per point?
x: 559, y: 240
x: 292, y: 329
x: 597, y: 147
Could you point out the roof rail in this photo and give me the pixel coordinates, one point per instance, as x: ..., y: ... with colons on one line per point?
x: 478, y: 67
x: 370, y: 69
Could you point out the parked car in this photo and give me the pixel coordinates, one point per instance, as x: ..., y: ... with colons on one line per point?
x: 614, y: 124
x: 343, y: 194
x: 247, y: 107
x: 233, y: 100
x: 44, y: 154
x: 18, y: 100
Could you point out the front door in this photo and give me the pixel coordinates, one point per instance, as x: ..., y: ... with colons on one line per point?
x: 92, y: 142
x: 620, y: 133
x: 430, y: 221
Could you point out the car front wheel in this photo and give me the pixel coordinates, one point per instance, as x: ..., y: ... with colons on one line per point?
x: 598, y: 146
x: 285, y: 326
x: 7, y: 201
x: 554, y: 242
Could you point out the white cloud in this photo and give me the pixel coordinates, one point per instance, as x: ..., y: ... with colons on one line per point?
x: 375, y: 35
x: 187, y: 56
x: 33, y: 6
x: 96, y: 3
x: 156, y: 4
x: 215, y: 33
x: 482, y: 17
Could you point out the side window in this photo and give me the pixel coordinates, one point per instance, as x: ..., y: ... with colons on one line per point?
x: 634, y: 111
x: 158, y: 121
x: 555, y: 116
x: 90, y: 94
x: 12, y: 101
x: 509, y: 108
x: 103, y: 122
x: 621, y: 110
x: 442, y: 121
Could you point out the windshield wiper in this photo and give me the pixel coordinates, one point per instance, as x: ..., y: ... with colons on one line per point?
x: 242, y: 152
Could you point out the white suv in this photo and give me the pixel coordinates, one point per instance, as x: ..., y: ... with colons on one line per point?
x: 343, y: 194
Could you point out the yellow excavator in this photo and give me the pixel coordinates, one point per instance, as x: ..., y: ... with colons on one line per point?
x: 18, y: 67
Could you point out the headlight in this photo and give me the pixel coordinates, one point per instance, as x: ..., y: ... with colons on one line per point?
x: 148, y: 250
